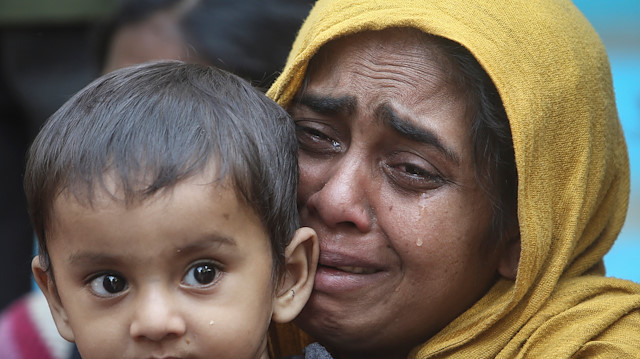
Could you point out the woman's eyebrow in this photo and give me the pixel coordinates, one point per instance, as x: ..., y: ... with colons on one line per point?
x: 327, y: 105
x: 409, y: 129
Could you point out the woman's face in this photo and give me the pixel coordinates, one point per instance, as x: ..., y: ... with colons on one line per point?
x: 387, y: 179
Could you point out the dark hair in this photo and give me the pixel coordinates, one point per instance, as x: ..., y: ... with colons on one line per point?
x: 490, y: 132
x: 158, y: 124
x: 128, y: 12
x: 248, y: 38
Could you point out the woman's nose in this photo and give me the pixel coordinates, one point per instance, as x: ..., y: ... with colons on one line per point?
x: 342, y: 196
x: 157, y: 317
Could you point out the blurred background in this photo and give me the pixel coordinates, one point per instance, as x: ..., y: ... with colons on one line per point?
x: 618, y: 24
x: 51, y: 49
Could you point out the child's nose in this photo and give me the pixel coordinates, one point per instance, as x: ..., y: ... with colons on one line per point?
x: 156, y: 316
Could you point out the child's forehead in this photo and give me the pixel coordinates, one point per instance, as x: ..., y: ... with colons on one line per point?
x: 110, y: 190
x: 185, y: 198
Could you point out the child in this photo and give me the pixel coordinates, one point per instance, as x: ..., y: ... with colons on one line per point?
x: 164, y: 200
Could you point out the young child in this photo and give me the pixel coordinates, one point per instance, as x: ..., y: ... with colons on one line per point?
x: 164, y: 200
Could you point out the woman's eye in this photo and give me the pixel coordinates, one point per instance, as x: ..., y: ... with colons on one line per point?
x: 108, y: 285
x: 414, y: 177
x: 414, y: 171
x: 201, y: 275
x: 314, y: 140
x: 420, y: 174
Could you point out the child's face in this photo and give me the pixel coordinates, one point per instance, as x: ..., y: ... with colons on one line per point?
x: 185, y: 274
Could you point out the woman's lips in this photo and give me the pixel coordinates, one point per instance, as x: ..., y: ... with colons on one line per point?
x: 356, y: 270
x: 338, y: 273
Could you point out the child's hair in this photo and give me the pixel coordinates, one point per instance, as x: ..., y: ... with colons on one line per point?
x: 152, y: 126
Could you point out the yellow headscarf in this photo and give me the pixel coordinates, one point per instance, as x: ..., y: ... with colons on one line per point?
x: 553, y: 76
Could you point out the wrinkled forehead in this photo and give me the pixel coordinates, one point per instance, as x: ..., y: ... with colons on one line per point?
x: 398, y: 65
x: 401, y: 46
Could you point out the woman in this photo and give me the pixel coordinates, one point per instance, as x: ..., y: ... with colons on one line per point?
x: 432, y: 243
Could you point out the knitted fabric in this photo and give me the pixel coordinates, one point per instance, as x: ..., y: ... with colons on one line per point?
x: 27, y: 331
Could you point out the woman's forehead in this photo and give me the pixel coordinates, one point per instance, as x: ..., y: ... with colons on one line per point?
x: 393, y: 42
x: 399, y: 68
x: 397, y: 54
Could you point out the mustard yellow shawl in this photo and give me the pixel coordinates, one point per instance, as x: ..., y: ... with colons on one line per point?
x: 553, y: 75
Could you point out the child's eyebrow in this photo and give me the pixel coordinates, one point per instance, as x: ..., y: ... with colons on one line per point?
x: 80, y: 258
x: 214, y: 240
x: 207, y: 242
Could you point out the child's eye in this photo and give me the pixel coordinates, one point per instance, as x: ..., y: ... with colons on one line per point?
x: 201, y: 275
x: 108, y: 285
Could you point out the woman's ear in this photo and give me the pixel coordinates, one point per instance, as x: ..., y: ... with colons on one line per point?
x: 294, y: 288
x: 508, y: 265
x: 46, y: 283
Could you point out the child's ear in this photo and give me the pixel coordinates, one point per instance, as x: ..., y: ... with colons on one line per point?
x: 46, y: 284
x: 294, y: 289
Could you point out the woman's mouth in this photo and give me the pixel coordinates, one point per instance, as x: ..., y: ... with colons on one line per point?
x: 356, y: 270
x: 342, y: 279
